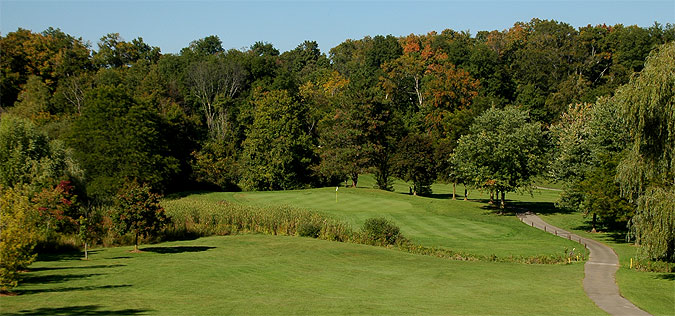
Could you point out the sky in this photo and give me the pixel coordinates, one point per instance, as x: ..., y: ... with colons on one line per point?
x: 172, y: 25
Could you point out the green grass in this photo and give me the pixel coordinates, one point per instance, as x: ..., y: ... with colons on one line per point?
x: 654, y: 292
x: 260, y: 274
x: 438, y: 221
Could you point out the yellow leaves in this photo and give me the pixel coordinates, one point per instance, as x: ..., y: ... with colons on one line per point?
x: 17, y: 236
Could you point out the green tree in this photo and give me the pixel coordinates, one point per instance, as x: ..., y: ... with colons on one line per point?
x: 114, y: 52
x: 589, y: 140
x: 414, y: 162
x: 30, y: 158
x: 278, y: 150
x: 117, y: 138
x: 647, y: 174
x: 503, y: 151
x: 216, y: 164
x: 137, y: 211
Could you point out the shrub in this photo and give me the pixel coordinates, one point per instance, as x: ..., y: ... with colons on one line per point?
x: 306, y: 229
x: 380, y: 231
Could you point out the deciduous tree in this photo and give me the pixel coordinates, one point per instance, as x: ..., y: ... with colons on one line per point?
x: 137, y: 211
x: 503, y: 151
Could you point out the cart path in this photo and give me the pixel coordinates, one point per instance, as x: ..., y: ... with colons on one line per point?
x: 599, y: 282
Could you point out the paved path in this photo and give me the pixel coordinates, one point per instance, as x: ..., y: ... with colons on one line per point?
x: 599, y: 282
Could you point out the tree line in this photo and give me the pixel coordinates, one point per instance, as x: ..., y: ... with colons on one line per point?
x: 491, y: 111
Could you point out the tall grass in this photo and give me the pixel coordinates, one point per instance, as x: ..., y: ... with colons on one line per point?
x: 195, y: 218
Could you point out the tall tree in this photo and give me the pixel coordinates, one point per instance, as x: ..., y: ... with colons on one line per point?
x: 503, y: 151
x: 278, y: 150
x: 414, y: 162
x: 118, y: 139
x: 647, y: 174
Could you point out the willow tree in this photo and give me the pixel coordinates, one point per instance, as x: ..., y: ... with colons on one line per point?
x: 647, y: 174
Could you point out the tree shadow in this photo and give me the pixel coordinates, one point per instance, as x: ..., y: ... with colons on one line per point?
x: 69, y: 289
x: 444, y: 196
x: 82, y: 267
x: 85, y: 310
x: 64, y: 256
x: 544, y: 208
x: 182, y: 194
x: 177, y: 249
x: 666, y: 276
x: 55, y: 278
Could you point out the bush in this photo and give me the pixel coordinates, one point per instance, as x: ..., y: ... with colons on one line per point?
x: 309, y: 230
x: 380, y: 231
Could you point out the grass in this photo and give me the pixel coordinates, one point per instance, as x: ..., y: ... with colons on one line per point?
x: 261, y: 274
x: 463, y: 226
x: 654, y: 292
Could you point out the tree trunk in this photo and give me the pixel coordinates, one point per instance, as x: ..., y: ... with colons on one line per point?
x: 136, y: 243
x: 355, y: 179
x: 454, y: 190
x: 466, y: 194
x: 86, y: 255
x: 503, y: 204
x: 492, y: 197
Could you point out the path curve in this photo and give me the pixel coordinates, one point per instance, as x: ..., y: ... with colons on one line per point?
x: 599, y: 282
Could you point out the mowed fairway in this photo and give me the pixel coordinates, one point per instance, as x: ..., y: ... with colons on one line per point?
x: 466, y: 226
x: 281, y: 275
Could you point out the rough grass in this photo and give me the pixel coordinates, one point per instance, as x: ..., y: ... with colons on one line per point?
x: 281, y: 275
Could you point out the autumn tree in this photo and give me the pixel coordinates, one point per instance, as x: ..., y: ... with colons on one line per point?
x: 51, y: 55
x: 17, y: 236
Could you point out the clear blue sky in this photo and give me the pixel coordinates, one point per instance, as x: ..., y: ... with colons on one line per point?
x: 172, y: 25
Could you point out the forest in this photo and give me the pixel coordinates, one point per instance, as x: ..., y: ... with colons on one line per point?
x: 590, y: 108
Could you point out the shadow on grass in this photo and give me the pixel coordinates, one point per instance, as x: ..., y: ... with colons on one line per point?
x: 177, y: 249
x: 70, y: 289
x: 86, y: 310
x: 207, y: 190
x: 56, y: 278
x: 666, y: 276
x: 82, y: 267
x: 65, y: 256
